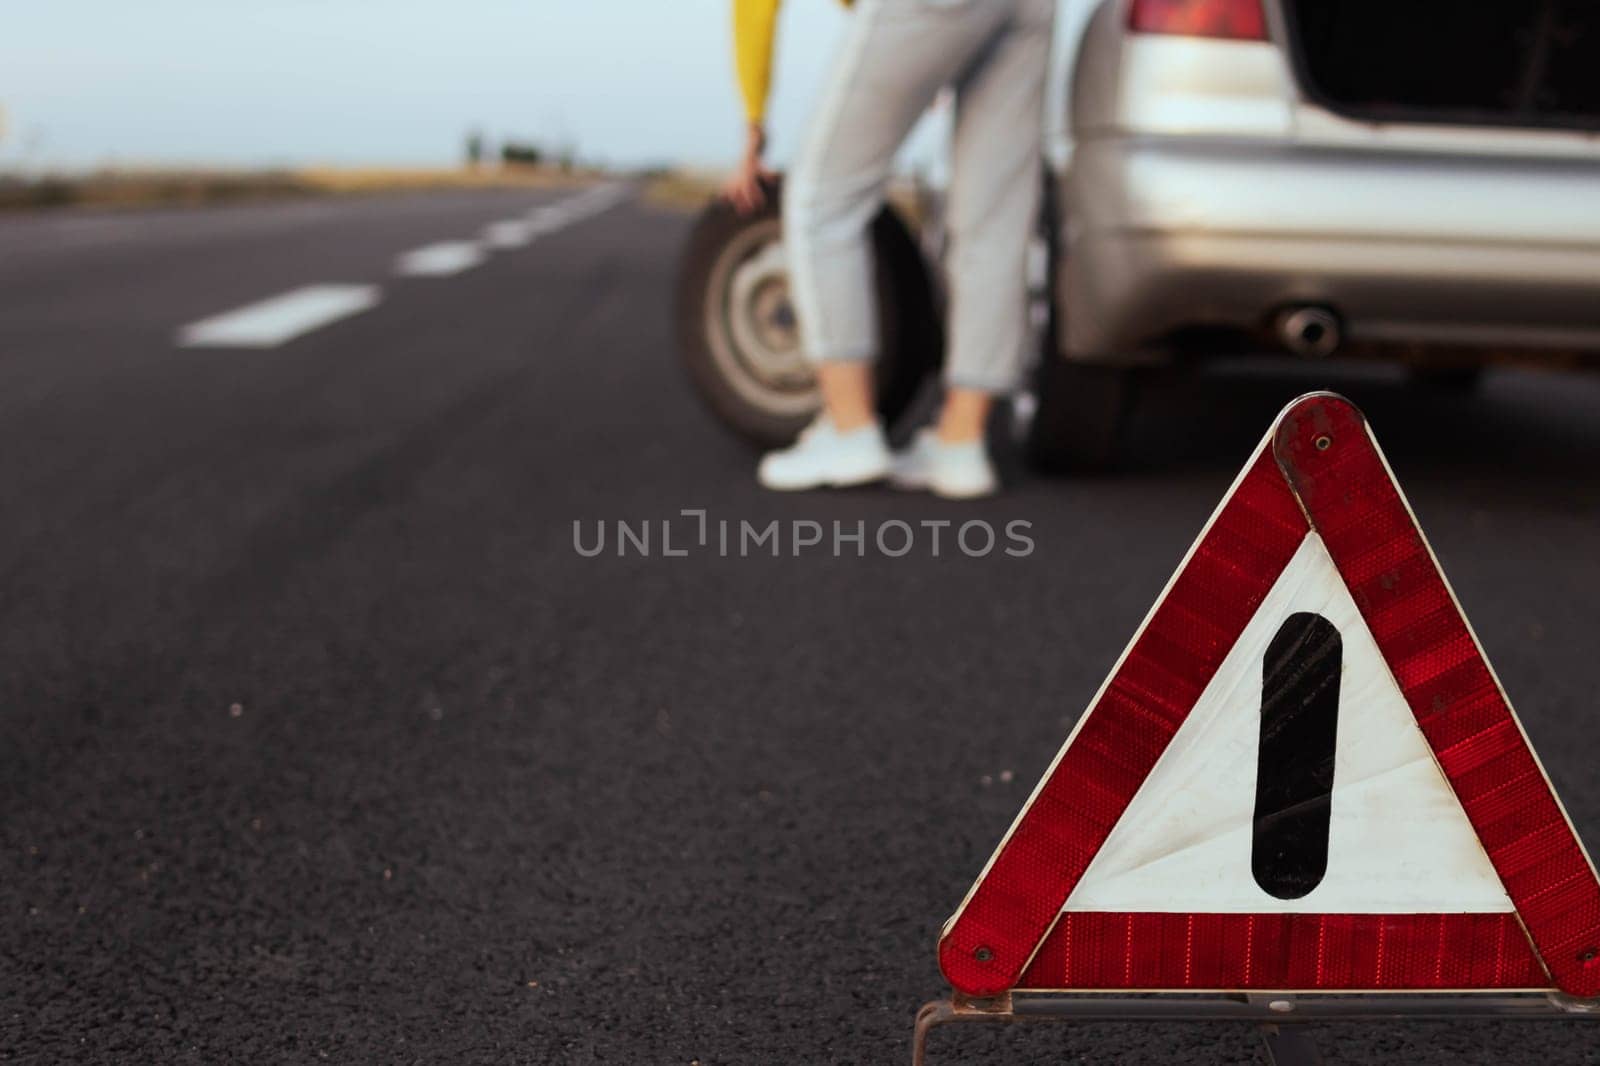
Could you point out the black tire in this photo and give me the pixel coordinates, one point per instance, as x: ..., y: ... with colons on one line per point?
x: 748, y: 369
x: 1083, y: 409
x: 1079, y: 411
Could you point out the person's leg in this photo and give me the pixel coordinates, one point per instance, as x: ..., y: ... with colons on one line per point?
x: 896, y: 56
x: 993, y: 212
x: 993, y: 207
x: 846, y: 387
x: 965, y: 414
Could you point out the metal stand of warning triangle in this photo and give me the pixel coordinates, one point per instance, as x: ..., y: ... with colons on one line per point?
x: 1276, y: 1017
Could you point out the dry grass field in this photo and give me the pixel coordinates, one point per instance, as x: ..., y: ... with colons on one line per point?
x: 159, y: 187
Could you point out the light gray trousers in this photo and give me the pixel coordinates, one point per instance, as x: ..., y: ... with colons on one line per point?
x: 897, y: 56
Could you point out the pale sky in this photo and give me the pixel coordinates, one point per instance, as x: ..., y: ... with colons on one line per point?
x: 263, y: 82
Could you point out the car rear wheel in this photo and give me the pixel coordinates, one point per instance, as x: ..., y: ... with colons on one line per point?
x: 1082, y: 410
x: 1076, y: 411
x: 740, y: 342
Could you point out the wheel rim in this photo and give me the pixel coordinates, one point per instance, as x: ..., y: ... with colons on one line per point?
x: 754, y: 338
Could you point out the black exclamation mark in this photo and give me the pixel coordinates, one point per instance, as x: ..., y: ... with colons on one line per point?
x: 1294, y: 771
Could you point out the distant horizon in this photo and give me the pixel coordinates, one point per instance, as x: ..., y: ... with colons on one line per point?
x: 183, y: 83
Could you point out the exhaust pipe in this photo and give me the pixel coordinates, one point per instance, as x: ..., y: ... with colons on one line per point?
x: 1310, y: 331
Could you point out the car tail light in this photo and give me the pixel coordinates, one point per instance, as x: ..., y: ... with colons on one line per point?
x: 1237, y: 20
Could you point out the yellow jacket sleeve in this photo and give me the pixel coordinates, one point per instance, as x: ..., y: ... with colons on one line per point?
x: 755, y: 28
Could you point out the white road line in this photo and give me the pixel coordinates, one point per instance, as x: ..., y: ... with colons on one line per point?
x: 547, y: 219
x: 280, y: 319
x: 510, y: 233
x: 574, y: 209
x: 590, y: 204
x: 440, y: 260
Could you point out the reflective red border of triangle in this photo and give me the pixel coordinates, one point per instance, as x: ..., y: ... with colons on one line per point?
x: 1284, y: 951
x: 1322, y: 469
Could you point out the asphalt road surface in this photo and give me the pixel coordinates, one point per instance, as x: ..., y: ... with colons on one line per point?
x: 323, y: 742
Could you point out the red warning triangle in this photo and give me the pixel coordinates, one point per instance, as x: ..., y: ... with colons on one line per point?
x: 1301, y: 775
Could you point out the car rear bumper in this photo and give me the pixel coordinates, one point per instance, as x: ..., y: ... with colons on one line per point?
x: 1169, y: 234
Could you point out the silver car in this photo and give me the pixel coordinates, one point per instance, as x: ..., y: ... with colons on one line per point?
x: 1410, y: 181
x: 1417, y: 181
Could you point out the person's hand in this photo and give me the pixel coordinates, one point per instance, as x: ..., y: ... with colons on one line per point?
x: 745, y: 187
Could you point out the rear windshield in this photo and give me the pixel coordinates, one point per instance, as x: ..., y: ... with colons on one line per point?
x: 1517, y: 62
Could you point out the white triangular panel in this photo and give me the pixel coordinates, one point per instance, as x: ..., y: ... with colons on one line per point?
x: 1398, y: 842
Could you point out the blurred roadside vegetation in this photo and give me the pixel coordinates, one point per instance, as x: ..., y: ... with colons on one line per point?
x: 681, y: 190
x: 168, y: 188
x: 669, y: 188
x: 690, y: 190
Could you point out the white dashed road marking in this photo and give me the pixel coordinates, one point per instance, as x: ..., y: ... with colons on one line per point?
x: 440, y: 260
x: 283, y: 318
x: 573, y: 209
x: 547, y: 219
x: 280, y: 319
x: 512, y: 233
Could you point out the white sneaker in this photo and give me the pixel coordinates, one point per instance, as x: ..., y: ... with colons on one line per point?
x: 955, y: 471
x: 825, y: 458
